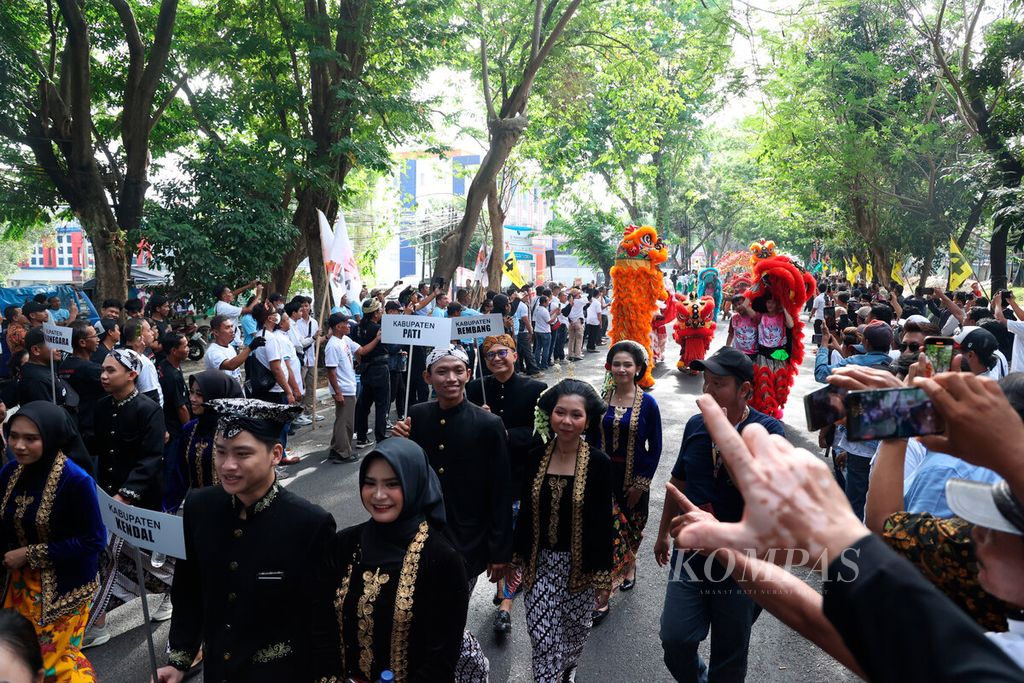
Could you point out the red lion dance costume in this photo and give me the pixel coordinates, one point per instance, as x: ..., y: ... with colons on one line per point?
x: 695, y: 328
x: 777, y: 277
x: 639, y: 286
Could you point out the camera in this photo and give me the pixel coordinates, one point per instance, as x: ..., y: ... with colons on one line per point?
x: 824, y: 407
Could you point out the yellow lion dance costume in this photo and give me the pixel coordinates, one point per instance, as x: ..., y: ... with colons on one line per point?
x: 638, y: 286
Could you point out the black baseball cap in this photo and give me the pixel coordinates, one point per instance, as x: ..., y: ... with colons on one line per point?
x: 336, y: 319
x: 727, y: 361
x: 34, y: 336
x: 979, y: 340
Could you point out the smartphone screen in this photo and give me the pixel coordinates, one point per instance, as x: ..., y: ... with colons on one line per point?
x: 816, y: 339
x: 824, y: 406
x: 890, y: 414
x: 940, y: 352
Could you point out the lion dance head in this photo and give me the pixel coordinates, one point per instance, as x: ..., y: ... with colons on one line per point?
x: 761, y: 250
x: 642, y: 242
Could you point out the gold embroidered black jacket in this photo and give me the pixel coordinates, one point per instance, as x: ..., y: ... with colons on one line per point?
x: 246, y: 590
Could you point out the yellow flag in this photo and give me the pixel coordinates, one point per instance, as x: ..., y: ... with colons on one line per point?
x: 870, y: 275
x: 959, y: 268
x: 511, y: 269
x: 849, y: 271
x: 857, y: 269
x: 896, y: 274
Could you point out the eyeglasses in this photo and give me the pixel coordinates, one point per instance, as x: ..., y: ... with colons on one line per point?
x: 913, y: 347
x: 500, y: 353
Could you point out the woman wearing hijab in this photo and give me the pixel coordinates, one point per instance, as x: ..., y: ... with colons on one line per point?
x: 197, y: 435
x: 52, y: 536
x: 398, y: 589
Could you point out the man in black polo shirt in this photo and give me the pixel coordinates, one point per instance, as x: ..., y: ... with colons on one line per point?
x: 176, y: 414
x: 697, y: 589
x: 374, y: 375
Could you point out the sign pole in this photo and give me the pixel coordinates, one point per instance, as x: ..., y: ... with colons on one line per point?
x: 53, y: 379
x: 145, y: 609
x: 408, y: 381
x: 479, y: 361
x: 316, y: 351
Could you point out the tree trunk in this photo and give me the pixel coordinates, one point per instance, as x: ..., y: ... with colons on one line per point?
x: 496, y: 219
x: 661, y: 192
x: 997, y: 251
x: 505, y: 133
x: 109, y: 252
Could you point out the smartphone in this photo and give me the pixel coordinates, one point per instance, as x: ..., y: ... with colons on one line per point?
x: 940, y: 352
x: 824, y: 406
x: 890, y: 414
x: 816, y: 339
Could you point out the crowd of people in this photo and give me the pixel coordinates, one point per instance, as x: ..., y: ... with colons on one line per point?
x: 488, y: 471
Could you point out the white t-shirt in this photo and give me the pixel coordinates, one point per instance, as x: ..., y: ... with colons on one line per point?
x: 270, y: 352
x: 1017, y: 327
x: 818, y: 307
x: 339, y: 354
x: 576, y: 312
x: 594, y: 312
x: 307, y: 329
x: 542, y: 320
x: 951, y: 326
x: 217, y: 354
x: 556, y: 311
x: 149, y: 379
x: 289, y: 356
x: 1000, y: 369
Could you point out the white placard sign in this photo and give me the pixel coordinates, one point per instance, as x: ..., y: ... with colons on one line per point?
x: 153, y: 531
x: 477, y: 326
x: 415, y: 330
x: 58, y: 338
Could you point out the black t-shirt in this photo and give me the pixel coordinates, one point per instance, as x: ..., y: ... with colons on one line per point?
x: 172, y: 382
x: 696, y: 466
x: 367, y: 332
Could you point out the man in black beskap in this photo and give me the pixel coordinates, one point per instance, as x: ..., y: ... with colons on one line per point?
x: 83, y: 375
x: 36, y: 382
x: 176, y: 414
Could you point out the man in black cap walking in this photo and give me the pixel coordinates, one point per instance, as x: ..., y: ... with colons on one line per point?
x: 698, y: 589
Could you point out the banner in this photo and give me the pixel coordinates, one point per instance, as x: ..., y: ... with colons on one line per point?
x: 511, y: 269
x: 959, y: 268
x: 415, y: 330
x: 477, y: 326
x: 58, y: 338
x: 856, y: 270
x: 327, y: 240
x: 154, y: 531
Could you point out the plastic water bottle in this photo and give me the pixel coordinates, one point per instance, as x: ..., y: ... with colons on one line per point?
x: 157, y: 560
x: 386, y: 676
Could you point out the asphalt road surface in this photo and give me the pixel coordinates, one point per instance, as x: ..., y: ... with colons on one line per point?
x: 625, y: 647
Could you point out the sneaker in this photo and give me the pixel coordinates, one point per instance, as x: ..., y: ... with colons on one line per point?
x: 97, y: 635
x: 363, y: 443
x: 164, y: 610
x: 339, y: 459
x: 319, y: 417
x: 302, y: 421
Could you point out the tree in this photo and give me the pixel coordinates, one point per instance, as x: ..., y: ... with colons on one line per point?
x: 516, y: 56
x: 16, y: 244
x: 326, y: 87
x: 592, y: 235
x: 985, y: 91
x: 61, y: 107
x: 627, y: 103
x: 222, y: 222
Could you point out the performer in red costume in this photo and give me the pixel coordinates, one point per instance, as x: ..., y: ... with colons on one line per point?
x: 695, y: 328
x: 662, y: 319
x: 778, y: 291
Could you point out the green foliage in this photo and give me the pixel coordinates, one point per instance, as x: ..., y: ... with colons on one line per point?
x: 222, y: 222
x: 592, y: 235
x: 17, y: 240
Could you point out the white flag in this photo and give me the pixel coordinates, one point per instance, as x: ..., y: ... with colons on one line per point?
x: 343, y: 271
x: 482, y: 260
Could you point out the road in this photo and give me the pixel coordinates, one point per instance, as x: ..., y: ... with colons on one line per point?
x: 625, y: 647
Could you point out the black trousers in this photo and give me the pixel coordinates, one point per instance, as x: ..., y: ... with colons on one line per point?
x: 398, y: 391
x: 592, y: 336
x: 376, y: 392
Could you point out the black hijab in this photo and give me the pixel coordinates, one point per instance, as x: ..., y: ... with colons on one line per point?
x: 214, y: 384
x: 386, y: 543
x: 59, y: 436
